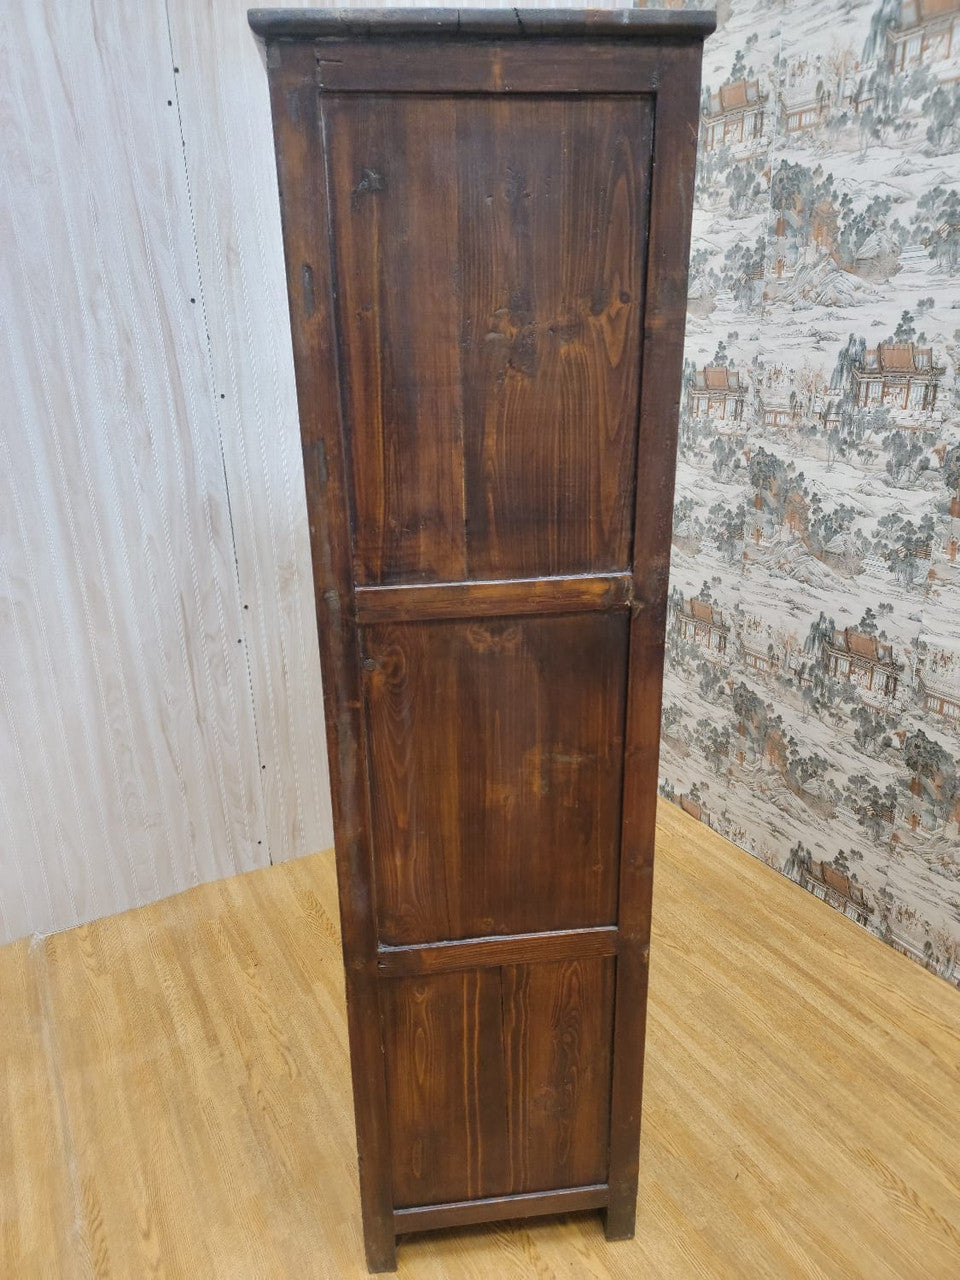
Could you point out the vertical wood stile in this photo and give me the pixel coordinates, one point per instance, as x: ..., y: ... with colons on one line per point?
x: 674, y: 159
x: 302, y: 183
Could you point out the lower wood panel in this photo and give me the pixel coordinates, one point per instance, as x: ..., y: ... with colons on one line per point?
x: 445, y: 1095
x: 558, y: 1021
x: 499, y: 1079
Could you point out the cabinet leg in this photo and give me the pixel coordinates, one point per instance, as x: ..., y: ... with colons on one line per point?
x: 621, y: 1218
x: 381, y: 1253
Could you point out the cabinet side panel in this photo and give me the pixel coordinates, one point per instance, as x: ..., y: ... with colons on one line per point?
x: 496, y: 750
x: 491, y: 256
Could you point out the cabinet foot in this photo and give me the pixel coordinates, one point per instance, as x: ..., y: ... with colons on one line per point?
x: 381, y: 1250
x: 620, y: 1220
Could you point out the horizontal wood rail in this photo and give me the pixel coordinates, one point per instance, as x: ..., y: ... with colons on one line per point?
x: 579, y: 593
x: 464, y: 1212
x: 514, y: 948
x: 494, y: 67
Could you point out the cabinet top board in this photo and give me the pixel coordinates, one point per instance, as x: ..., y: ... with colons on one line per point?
x: 621, y: 24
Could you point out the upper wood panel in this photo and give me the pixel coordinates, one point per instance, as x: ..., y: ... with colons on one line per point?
x: 490, y: 261
x: 496, y: 754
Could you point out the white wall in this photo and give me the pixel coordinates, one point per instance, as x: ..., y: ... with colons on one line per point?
x: 160, y: 719
x: 160, y: 712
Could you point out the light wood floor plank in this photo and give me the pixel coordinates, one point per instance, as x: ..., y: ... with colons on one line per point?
x: 175, y: 1095
x: 36, y: 1196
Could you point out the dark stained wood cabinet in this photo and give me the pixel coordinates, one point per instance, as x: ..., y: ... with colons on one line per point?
x: 486, y: 221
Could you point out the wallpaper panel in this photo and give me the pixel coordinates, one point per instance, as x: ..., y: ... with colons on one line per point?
x: 812, y: 695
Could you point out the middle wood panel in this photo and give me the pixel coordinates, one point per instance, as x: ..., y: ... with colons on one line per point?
x: 496, y: 772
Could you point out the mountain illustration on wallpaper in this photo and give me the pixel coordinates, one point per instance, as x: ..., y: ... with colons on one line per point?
x: 812, y: 695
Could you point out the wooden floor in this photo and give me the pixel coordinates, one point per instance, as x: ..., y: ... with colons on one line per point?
x: 174, y: 1096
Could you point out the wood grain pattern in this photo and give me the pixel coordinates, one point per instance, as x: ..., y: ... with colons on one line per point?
x: 496, y: 764
x: 497, y: 1086
x: 174, y: 1085
x: 443, y: 1043
x: 558, y: 1020
x: 490, y: 302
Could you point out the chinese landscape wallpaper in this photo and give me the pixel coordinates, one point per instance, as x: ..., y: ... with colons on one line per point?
x: 812, y: 692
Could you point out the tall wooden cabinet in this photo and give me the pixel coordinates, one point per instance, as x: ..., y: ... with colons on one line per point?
x: 486, y: 220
